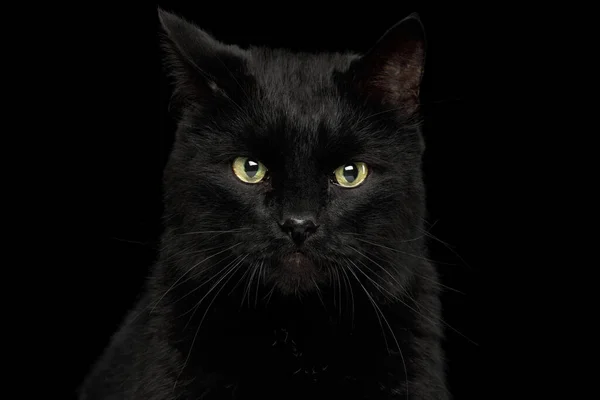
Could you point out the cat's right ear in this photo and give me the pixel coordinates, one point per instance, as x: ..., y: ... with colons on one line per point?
x: 203, y: 69
x: 390, y: 73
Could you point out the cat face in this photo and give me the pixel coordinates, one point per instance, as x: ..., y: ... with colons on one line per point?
x: 295, y: 164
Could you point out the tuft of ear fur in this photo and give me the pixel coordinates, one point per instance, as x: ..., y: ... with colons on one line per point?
x: 204, y: 70
x: 391, y: 71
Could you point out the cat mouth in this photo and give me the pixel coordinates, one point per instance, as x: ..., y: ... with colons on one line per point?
x: 295, y: 272
x: 297, y: 262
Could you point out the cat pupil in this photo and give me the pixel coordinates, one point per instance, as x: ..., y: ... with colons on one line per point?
x: 251, y: 168
x: 350, y: 172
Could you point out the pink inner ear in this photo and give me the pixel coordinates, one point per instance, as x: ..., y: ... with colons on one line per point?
x: 391, y: 72
x: 398, y: 81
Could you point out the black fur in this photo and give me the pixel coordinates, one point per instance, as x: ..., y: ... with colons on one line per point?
x: 227, y: 314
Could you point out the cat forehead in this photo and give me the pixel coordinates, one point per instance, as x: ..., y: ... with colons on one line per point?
x: 281, y: 73
x: 282, y: 64
x: 299, y: 85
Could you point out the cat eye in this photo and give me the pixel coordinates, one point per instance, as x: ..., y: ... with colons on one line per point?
x: 351, y: 175
x: 248, y: 170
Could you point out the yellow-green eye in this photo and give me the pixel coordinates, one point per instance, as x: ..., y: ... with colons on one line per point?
x: 249, y: 170
x: 351, y: 175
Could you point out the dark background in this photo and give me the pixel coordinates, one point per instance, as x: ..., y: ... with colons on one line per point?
x: 134, y: 131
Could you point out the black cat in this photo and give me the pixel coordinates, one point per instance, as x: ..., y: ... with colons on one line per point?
x: 293, y: 262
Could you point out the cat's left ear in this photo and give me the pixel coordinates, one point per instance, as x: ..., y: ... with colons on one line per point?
x: 390, y: 73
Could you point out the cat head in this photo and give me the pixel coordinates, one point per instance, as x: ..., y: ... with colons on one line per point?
x: 296, y: 163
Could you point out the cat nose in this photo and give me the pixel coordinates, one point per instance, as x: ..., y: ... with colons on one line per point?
x: 298, y: 228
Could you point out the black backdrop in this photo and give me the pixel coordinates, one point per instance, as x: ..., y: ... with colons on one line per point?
x: 139, y: 130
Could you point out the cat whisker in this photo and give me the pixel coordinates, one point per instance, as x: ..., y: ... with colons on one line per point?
x: 232, y: 266
x: 427, y: 232
x: 264, y: 274
x: 187, y: 252
x: 436, y: 283
x: 370, y: 236
x: 378, y: 312
x: 249, y: 283
x: 232, y: 269
x: 258, y: 277
x: 339, y: 290
x: 238, y: 282
x: 192, y: 245
x: 415, y: 302
x: 382, y: 268
x: 441, y: 285
x: 347, y: 282
x: 213, y: 232
x: 319, y: 293
x: 151, y: 306
x: 379, y: 287
x: 188, y: 271
x: 402, y: 252
x: 330, y: 271
x: 269, y: 295
x: 416, y: 122
x: 198, y: 287
x: 332, y: 283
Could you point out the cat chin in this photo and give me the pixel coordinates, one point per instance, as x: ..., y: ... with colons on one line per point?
x: 297, y: 263
x: 295, y: 274
x: 294, y: 286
